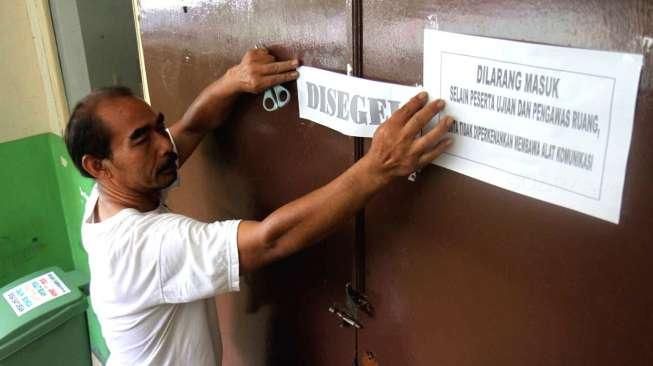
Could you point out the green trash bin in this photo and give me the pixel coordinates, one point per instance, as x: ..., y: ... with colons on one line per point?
x: 43, y: 320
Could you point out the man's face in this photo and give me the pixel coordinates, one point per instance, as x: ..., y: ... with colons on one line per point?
x: 142, y: 157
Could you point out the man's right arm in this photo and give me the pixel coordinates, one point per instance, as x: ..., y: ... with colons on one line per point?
x: 257, y: 71
x: 395, y: 152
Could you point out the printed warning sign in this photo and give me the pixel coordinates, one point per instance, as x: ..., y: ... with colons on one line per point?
x: 553, y: 123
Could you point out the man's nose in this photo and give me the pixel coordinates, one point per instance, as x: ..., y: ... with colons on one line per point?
x: 164, y: 144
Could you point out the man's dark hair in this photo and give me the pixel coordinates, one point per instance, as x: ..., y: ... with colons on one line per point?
x: 86, y: 133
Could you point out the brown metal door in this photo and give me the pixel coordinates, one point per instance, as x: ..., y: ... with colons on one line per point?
x: 465, y: 273
x: 258, y: 162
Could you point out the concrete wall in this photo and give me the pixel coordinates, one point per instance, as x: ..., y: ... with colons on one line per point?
x: 31, y: 97
x: 97, y: 45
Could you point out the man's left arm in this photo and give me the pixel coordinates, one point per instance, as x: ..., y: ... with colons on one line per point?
x: 257, y: 71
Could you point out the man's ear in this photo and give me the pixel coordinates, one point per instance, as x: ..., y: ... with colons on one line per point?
x: 95, y: 167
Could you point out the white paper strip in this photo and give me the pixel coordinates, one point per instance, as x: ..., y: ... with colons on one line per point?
x: 552, y: 123
x: 350, y: 105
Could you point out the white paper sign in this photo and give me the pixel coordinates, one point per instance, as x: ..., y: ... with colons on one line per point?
x: 552, y: 123
x: 350, y: 105
x: 30, y: 294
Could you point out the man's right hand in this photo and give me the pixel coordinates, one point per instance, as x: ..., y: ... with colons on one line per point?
x: 397, y: 151
x: 259, y: 70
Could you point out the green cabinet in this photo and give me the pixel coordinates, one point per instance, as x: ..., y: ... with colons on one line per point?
x: 43, y: 321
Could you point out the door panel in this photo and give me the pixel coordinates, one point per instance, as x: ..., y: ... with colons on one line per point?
x: 460, y: 272
x: 465, y: 273
x: 258, y: 162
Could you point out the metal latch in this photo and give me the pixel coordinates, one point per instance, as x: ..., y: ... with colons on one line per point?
x: 359, y: 299
x: 347, y: 320
x: 355, y: 301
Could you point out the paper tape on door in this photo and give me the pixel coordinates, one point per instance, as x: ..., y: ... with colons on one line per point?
x: 350, y: 105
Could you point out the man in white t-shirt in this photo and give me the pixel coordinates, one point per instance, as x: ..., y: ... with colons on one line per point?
x: 151, y: 269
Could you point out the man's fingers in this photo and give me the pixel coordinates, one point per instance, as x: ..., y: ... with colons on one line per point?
x: 403, y: 114
x: 423, y: 116
x: 263, y: 58
x: 441, y: 147
x: 258, y: 54
x: 277, y: 79
x: 423, y: 143
x: 279, y: 67
x: 260, y: 50
x: 253, y: 53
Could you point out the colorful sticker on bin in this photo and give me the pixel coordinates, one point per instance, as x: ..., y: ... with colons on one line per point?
x: 35, y: 292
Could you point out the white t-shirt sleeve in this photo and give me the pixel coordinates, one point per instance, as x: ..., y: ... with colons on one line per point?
x: 196, y: 260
